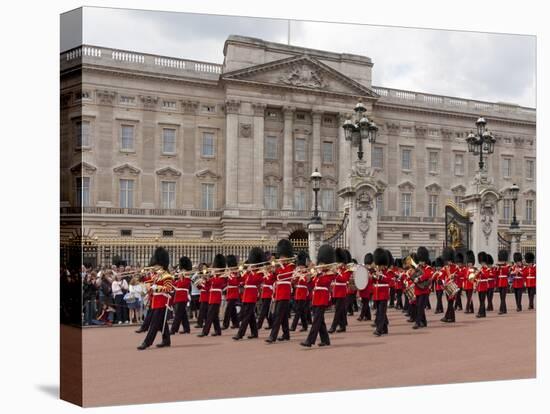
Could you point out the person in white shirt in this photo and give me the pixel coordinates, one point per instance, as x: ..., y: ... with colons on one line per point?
x: 134, y: 299
x: 119, y: 288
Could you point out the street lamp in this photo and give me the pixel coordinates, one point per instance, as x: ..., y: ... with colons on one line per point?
x: 359, y: 129
x: 514, y: 190
x: 316, y: 185
x: 482, y: 143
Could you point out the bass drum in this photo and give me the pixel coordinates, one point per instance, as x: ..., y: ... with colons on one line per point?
x: 361, y: 277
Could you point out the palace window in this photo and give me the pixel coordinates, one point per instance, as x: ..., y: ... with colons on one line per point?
x: 529, y: 210
x: 458, y: 201
x: 299, y: 199
x: 127, y: 137
x: 432, y: 205
x: 168, y: 194
x: 207, y: 144
x: 507, y: 167
x: 327, y: 199
x: 433, y: 236
x: 209, y: 108
x: 127, y: 100
x: 378, y: 157
x: 300, y: 149
x: 82, y: 198
x: 507, y: 208
x: 167, y: 233
x: 271, y: 201
x: 126, y: 233
x: 300, y: 116
x: 327, y: 153
x: 126, y: 193
x: 459, y: 164
x: 406, y: 204
x: 83, y: 134
x: 207, y: 196
x: 530, y: 169
x: 433, y: 159
x: 169, y: 104
x: 271, y: 148
x: 168, y: 141
x: 406, y: 159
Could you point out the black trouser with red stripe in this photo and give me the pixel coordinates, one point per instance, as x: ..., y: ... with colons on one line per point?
x: 340, y: 317
x: 230, y: 314
x: 212, y: 318
x: 147, y: 321
x: 318, y: 327
x: 450, y: 314
x: 365, y: 310
x: 248, y: 318
x: 518, y: 292
x: 392, y: 298
x: 264, y: 313
x: 300, y: 314
x: 157, y: 319
x: 352, y: 303
x: 481, y: 311
x: 180, y: 317
x: 490, y: 293
x: 381, y: 319
x: 531, y: 292
x: 280, y: 319
x: 469, y: 302
x: 203, y: 310
x: 503, y: 292
x: 398, y: 298
x: 439, y: 304
x: 458, y: 300
x: 421, y: 303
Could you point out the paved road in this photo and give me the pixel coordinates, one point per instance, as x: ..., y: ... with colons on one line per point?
x: 494, y: 348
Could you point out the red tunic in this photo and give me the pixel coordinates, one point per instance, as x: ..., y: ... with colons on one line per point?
x: 439, y: 277
x: 492, y: 280
x: 483, y: 279
x: 182, y: 287
x: 427, y: 274
x: 467, y: 284
x: 321, y: 284
x: 217, y: 284
x: 398, y: 282
x: 283, y: 284
x: 530, y: 275
x: 340, y: 284
x: 301, y: 289
x: 381, y: 286
x: 367, y: 292
x: 232, y: 288
x: 251, y: 283
x: 204, y: 292
x: 162, y: 286
x: 502, y: 272
x: 267, y: 286
x: 518, y: 281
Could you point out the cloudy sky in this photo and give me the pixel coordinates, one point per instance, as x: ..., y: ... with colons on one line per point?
x: 484, y: 66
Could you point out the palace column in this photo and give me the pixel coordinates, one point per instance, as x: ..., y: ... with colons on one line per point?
x: 231, y: 153
x: 316, y: 147
x: 288, y: 175
x: 344, y: 154
x: 259, y: 112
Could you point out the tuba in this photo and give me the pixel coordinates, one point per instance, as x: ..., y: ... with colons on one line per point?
x: 409, y: 261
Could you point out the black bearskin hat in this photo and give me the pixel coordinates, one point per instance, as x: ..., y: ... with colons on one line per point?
x: 459, y: 258
x: 503, y: 256
x: 518, y: 257
x: 368, y: 259
x: 438, y: 262
x: 340, y: 255
x: 529, y: 257
x: 219, y: 261
x: 470, y: 257
x: 301, y: 259
x: 490, y: 260
x: 423, y: 255
x: 256, y: 255
x: 398, y: 262
x: 160, y: 258
x: 185, y: 263
x: 326, y: 254
x: 390, y: 258
x: 380, y: 257
x: 482, y: 257
x: 231, y: 260
x: 284, y: 248
x: 348, y: 256
x: 448, y: 254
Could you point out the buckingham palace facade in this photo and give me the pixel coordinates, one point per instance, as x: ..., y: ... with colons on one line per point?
x: 155, y: 146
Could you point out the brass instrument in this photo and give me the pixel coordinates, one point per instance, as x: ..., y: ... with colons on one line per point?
x: 409, y: 261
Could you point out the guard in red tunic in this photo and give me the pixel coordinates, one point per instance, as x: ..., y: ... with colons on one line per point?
x: 482, y: 283
x: 266, y: 295
x: 181, y: 297
x: 518, y: 282
x: 468, y: 283
x: 161, y: 289
x: 351, y: 292
x: 301, y: 292
x: 530, y: 276
x: 339, y: 292
x: 148, y: 281
x: 366, y: 293
x: 218, y: 281
x: 439, y: 281
x: 450, y: 272
x: 381, y: 290
x: 462, y: 272
x: 502, y: 274
x: 283, y: 290
x: 491, y: 282
x: 398, y: 283
x: 422, y: 281
x: 252, y: 279
x: 204, y: 289
x: 320, y: 300
x: 231, y: 294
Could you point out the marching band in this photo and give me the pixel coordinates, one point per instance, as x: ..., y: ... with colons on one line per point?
x: 264, y: 288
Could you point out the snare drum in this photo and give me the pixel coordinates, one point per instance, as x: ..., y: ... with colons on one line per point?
x: 409, y: 293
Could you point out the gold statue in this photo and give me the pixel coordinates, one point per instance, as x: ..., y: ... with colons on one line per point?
x: 455, y: 234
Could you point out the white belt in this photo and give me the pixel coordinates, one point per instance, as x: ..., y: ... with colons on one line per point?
x: 483, y: 280
x: 320, y: 288
x: 531, y: 277
x: 232, y: 287
x: 503, y: 277
x: 518, y: 277
x: 215, y: 290
x: 340, y: 284
x: 268, y: 287
x: 250, y: 286
x: 283, y: 282
x: 179, y: 289
x: 161, y: 294
x: 381, y: 285
x: 302, y: 286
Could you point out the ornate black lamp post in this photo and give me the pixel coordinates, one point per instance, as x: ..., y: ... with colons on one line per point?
x: 482, y: 143
x: 316, y: 185
x: 360, y: 128
x: 514, y: 190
